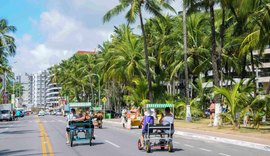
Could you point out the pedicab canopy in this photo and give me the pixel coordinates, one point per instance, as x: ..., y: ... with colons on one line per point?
x: 159, y: 105
x: 97, y: 108
x: 80, y: 104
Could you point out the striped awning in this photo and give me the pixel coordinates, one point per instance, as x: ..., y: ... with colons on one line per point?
x: 80, y: 104
x: 159, y: 105
x: 96, y: 108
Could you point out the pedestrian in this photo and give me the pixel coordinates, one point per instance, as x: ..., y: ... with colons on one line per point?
x: 70, y: 117
x: 212, y: 112
x: 18, y: 114
x: 124, y: 117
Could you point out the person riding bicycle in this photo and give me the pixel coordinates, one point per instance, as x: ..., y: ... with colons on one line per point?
x: 70, y: 117
x: 147, y: 119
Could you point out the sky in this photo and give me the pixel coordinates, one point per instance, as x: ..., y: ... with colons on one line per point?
x: 49, y: 31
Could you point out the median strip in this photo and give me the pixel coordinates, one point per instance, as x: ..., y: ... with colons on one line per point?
x: 45, y: 141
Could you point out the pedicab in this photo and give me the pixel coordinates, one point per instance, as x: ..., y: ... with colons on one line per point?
x: 158, y: 135
x: 133, y: 118
x: 77, y: 127
x: 97, y: 117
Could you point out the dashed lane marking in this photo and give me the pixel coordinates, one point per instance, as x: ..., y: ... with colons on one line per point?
x: 117, y: 146
x: 207, y: 150
x: 189, y: 145
x: 224, y: 154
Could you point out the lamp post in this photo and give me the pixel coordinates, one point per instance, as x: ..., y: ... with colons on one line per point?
x: 98, y: 88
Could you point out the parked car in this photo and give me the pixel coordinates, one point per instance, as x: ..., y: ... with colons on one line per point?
x: 6, y: 115
x: 58, y: 113
x: 41, y: 113
x: 113, y: 114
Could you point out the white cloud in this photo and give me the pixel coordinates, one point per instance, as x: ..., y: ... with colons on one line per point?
x: 66, y: 28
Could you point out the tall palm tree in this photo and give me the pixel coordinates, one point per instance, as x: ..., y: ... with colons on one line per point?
x: 188, y: 114
x: 7, y: 46
x: 7, y: 42
x: 135, y: 9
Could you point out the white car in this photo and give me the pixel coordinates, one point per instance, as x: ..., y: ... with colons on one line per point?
x: 58, y: 113
x: 41, y: 113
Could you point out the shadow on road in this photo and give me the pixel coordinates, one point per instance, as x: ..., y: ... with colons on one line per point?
x: 164, y: 150
x: 10, y: 152
x: 20, y: 132
x: 93, y: 144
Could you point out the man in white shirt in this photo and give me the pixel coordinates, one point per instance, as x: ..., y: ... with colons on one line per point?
x: 167, y: 119
x: 70, y: 117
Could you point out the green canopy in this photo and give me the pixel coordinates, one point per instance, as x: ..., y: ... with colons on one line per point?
x: 96, y: 108
x: 159, y: 105
x: 80, y: 104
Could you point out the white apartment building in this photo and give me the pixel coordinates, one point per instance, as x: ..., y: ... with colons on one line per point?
x: 52, y: 92
x: 38, y: 93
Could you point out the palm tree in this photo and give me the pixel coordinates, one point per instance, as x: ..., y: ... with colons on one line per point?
x: 233, y: 99
x: 136, y: 6
x: 7, y: 42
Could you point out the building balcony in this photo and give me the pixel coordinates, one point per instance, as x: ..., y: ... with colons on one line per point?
x: 53, y: 88
x: 52, y: 93
x: 53, y: 98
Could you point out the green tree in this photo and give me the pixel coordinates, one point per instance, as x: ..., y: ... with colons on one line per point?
x: 135, y: 9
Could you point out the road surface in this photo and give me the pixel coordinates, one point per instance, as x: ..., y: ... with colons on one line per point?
x: 45, y: 135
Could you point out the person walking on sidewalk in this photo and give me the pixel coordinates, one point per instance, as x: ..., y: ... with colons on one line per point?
x: 212, y: 112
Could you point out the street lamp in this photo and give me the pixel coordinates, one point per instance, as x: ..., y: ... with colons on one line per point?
x: 98, y: 88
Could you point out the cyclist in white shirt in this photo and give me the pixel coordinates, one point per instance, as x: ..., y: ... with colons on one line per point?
x: 70, y: 117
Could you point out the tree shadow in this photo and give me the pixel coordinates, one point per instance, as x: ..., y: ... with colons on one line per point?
x: 19, y: 132
x: 10, y: 152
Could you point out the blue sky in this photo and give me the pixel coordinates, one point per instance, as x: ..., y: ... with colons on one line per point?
x: 21, y: 16
x: 49, y: 31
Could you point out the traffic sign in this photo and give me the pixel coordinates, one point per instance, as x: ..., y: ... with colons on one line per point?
x: 104, y: 100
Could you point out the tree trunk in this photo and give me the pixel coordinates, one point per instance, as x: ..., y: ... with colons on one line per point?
x: 222, y: 29
x: 243, y: 72
x: 92, y: 91
x: 188, y: 113
x: 148, y: 74
x: 214, y: 56
x: 253, y: 72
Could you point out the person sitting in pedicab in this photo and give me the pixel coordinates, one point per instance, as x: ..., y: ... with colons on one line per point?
x: 167, y: 120
x: 86, y: 116
x: 99, y: 117
x: 147, y: 119
x: 70, y: 117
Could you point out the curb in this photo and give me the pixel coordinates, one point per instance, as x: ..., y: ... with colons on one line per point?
x: 217, y: 139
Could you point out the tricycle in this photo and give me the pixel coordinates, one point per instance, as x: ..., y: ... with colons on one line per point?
x: 158, y: 135
x: 77, y: 127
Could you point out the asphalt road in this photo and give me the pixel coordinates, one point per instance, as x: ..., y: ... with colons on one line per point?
x: 45, y: 135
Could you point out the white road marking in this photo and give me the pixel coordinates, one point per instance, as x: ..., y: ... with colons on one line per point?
x: 188, y: 145
x: 112, y: 144
x: 207, y: 150
x: 224, y: 154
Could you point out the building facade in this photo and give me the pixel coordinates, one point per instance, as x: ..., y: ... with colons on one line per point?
x: 52, y: 92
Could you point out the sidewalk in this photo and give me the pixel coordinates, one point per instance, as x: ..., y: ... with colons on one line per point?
x: 242, y: 137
